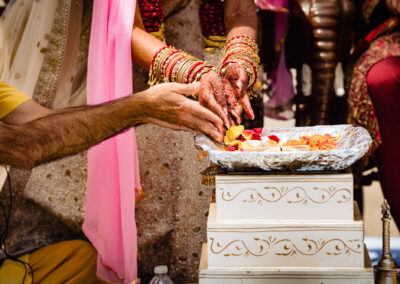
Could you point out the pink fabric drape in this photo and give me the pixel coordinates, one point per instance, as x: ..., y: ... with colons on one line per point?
x: 113, y: 172
x: 283, y: 85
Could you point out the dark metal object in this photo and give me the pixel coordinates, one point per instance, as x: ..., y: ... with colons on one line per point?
x: 386, y: 270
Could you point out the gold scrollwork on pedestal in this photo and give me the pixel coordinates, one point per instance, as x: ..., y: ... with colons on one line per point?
x: 286, y: 247
x: 296, y: 194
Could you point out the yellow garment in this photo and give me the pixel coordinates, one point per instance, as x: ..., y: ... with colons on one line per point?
x: 10, y: 99
x: 72, y: 262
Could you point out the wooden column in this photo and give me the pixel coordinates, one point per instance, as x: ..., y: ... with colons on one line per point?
x: 324, y: 17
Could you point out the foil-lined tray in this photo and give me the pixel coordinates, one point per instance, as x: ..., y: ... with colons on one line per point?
x: 353, y: 144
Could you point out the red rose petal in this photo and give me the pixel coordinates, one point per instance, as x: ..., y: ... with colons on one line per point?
x: 247, y: 134
x: 231, y: 149
x: 274, y: 138
x: 257, y: 130
x: 256, y: 136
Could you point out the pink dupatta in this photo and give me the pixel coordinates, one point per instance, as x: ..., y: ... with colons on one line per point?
x: 113, y: 169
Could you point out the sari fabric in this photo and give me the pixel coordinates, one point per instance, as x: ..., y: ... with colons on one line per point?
x: 282, y: 78
x: 113, y: 172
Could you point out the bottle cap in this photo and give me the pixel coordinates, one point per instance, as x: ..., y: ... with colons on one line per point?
x: 161, y: 269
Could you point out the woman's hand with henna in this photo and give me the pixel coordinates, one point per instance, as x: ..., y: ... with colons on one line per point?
x: 212, y: 96
x: 235, y: 85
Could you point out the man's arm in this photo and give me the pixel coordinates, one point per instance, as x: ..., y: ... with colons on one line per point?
x: 69, y: 131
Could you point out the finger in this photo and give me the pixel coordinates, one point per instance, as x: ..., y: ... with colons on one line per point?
x: 219, y: 95
x: 207, y: 100
x: 232, y: 101
x: 195, y: 109
x: 185, y: 89
x: 194, y: 124
x: 236, y: 113
x: 172, y: 126
x: 231, y: 121
x: 202, y: 125
x: 245, y: 100
x: 230, y: 94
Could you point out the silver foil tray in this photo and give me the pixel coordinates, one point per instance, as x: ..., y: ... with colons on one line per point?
x: 353, y: 144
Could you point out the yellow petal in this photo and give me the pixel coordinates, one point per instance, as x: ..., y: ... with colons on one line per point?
x: 227, y: 141
x: 234, y: 132
x: 234, y: 142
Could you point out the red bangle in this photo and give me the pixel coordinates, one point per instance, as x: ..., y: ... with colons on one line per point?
x: 157, y: 53
x: 240, y: 36
x: 254, y: 69
x: 190, y: 71
x: 240, y: 42
x: 205, y: 66
x: 235, y: 52
x: 226, y: 63
x: 192, y: 76
x: 173, y: 65
x: 165, y: 63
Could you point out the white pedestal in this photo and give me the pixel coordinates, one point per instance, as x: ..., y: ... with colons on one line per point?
x: 285, y: 275
x: 285, y: 197
x: 285, y: 243
x: 297, y: 228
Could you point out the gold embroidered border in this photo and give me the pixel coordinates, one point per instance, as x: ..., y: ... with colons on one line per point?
x: 274, y: 194
x: 50, y: 73
x: 286, y: 247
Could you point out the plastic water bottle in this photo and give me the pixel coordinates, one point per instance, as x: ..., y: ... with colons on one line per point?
x: 161, y: 276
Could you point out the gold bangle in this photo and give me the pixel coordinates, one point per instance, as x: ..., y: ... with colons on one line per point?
x: 185, y: 69
x: 171, y: 65
x: 243, y: 39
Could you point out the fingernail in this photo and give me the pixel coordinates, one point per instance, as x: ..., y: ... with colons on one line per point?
x: 239, y: 84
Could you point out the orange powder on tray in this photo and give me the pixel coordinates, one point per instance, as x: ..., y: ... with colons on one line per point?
x: 317, y: 142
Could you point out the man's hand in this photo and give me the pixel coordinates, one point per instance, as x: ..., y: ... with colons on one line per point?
x: 166, y: 106
x: 393, y: 6
x: 235, y: 85
x: 213, y: 96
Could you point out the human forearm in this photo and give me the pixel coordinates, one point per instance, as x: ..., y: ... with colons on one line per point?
x: 144, y: 46
x: 240, y: 60
x: 69, y: 131
x: 240, y: 18
x: 65, y: 132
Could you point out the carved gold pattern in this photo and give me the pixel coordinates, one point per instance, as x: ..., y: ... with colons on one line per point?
x: 286, y: 247
x: 293, y: 195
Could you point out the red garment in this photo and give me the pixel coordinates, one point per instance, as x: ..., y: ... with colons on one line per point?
x: 383, y: 81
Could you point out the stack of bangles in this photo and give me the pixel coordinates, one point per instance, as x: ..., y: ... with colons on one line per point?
x: 171, y: 65
x: 242, y: 50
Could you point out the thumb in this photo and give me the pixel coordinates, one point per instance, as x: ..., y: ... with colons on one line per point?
x: 188, y: 89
